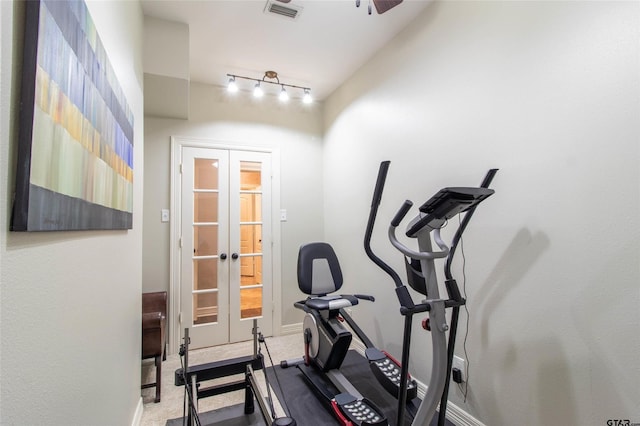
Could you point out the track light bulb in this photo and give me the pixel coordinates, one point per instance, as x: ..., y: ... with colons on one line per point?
x: 284, y: 96
x: 307, y: 97
x: 257, y: 91
x: 232, y: 87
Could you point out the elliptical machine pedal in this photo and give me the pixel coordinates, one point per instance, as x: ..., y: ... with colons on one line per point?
x: 348, y: 406
x: 361, y: 412
x: 384, y: 367
x: 387, y: 370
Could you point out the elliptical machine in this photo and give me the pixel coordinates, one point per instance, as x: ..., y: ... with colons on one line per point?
x: 421, y: 276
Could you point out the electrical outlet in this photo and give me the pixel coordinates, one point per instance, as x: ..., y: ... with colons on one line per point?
x: 460, y: 365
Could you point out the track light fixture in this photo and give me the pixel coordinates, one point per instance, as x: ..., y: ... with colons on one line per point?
x: 232, y: 86
x: 307, y: 99
x: 284, y: 96
x: 258, y: 92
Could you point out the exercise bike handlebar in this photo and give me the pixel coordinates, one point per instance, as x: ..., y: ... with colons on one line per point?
x: 365, y: 297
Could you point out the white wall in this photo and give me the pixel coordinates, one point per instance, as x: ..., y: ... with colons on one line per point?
x: 214, y: 115
x: 70, y: 302
x: 166, y: 48
x: 166, y: 68
x: 549, y: 93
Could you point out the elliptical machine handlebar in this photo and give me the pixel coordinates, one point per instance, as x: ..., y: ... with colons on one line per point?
x: 404, y: 209
x: 408, y: 309
x: 375, y: 203
x: 402, y: 212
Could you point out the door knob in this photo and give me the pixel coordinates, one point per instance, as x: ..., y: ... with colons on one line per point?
x: 223, y: 256
x: 234, y: 256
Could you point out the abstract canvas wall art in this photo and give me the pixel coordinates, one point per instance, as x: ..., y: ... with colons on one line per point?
x: 75, y: 147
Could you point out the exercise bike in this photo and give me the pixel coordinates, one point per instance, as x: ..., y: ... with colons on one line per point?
x: 421, y: 276
x: 327, y: 341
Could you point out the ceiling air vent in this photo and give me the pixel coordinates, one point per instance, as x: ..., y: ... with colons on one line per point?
x: 286, y: 11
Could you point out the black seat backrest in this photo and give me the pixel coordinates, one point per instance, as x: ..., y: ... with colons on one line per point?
x: 318, y: 269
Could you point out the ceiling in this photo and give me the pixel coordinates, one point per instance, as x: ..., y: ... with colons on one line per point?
x: 323, y: 46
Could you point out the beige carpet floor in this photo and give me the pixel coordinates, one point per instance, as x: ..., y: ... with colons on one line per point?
x: 171, y: 404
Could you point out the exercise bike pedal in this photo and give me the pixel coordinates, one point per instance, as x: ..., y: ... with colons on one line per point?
x: 387, y: 371
x: 359, y: 412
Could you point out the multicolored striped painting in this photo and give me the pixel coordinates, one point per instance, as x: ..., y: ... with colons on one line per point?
x: 75, y: 149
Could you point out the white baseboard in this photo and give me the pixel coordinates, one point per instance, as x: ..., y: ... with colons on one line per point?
x: 137, y: 416
x: 291, y: 329
x: 455, y: 414
x: 459, y: 417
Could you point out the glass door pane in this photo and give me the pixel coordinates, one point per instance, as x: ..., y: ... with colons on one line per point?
x: 250, y: 239
x: 205, y: 240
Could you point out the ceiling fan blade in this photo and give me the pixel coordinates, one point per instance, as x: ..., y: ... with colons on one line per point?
x: 383, y: 5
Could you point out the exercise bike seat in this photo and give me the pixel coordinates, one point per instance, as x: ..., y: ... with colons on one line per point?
x: 324, y: 303
x: 319, y: 275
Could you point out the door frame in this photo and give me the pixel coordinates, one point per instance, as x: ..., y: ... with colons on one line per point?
x: 177, y: 143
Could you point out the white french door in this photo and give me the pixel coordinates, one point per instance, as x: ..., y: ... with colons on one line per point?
x: 225, y: 244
